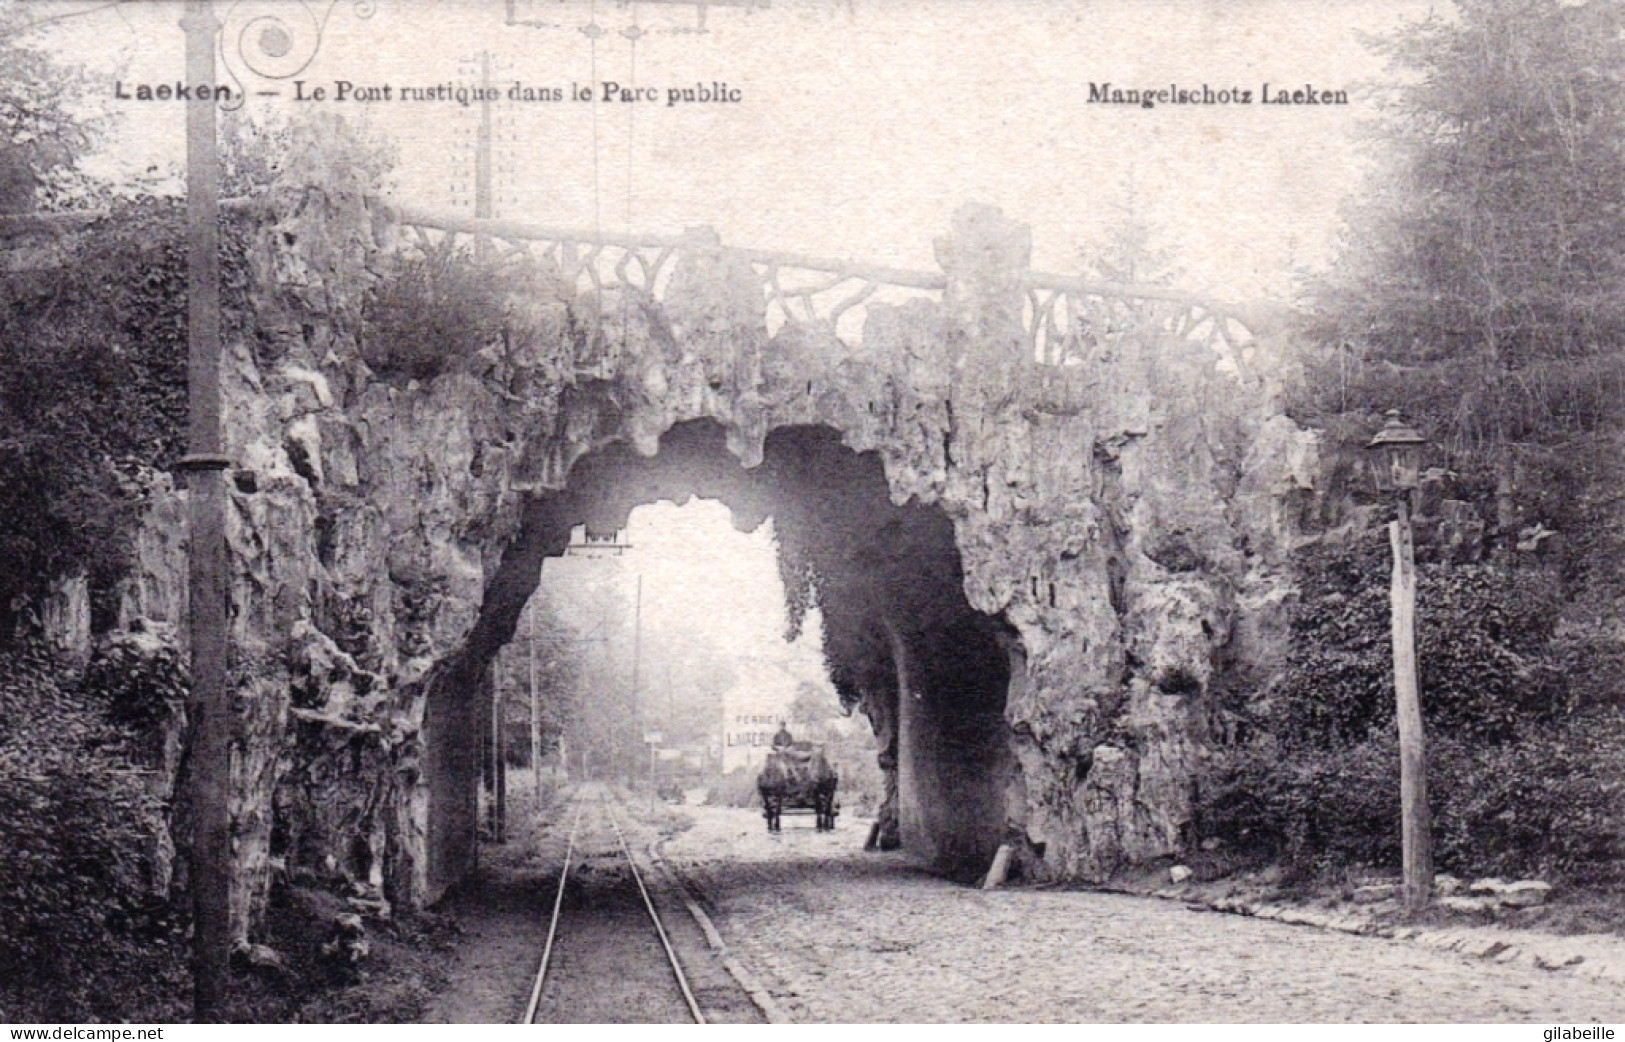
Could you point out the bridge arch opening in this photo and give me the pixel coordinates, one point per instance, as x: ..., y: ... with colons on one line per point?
x: 901, y: 643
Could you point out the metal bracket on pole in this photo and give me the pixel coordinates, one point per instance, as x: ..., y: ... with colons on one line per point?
x: 204, y: 461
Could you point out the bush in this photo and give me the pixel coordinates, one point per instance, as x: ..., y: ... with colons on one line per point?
x: 1311, y: 808
x: 1516, y: 785
x: 433, y: 313
x: 1550, y: 802
x: 79, y: 925
x: 1484, y: 651
x: 1553, y: 802
x: 139, y: 684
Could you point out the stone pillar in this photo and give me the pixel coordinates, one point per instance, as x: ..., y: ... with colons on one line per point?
x: 912, y: 832
x: 451, y: 763
x: 986, y: 257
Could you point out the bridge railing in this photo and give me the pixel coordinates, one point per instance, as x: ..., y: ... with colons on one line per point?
x: 1066, y: 319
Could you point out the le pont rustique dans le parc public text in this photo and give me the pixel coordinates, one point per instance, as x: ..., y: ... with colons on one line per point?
x: 712, y: 92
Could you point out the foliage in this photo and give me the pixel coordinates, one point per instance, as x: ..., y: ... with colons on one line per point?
x: 1552, y: 801
x: 41, y: 141
x: 1516, y: 783
x: 434, y: 312
x: 737, y: 788
x: 818, y: 716
x: 556, y: 674
x: 139, y: 685
x: 92, y: 394
x: 1476, y: 289
x: 1484, y: 259
x: 1483, y: 636
x: 583, y: 645
x: 88, y: 349
x: 1311, y: 808
x: 77, y: 915
x: 93, y: 364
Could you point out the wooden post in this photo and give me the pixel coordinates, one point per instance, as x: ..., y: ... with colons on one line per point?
x: 637, y: 655
x: 535, y: 709
x: 208, y: 566
x: 1416, y: 834
x: 499, y: 764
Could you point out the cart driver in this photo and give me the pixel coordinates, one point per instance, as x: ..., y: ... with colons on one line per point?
x: 782, y: 739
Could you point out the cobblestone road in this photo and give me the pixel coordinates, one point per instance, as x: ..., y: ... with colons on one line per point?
x: 842, y: 936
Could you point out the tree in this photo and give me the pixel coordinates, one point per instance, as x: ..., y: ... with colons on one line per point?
x: 41, y: 140
x: 1129, y: 248
x: 1478, y: 282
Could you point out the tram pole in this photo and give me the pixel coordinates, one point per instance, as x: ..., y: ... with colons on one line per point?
x: 208, y: 581
x: 535, y: 709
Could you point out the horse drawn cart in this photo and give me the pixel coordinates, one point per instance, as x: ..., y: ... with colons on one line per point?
x: 798, y: 777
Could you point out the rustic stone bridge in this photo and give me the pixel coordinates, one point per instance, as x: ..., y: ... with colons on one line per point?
x: 1046, y: 519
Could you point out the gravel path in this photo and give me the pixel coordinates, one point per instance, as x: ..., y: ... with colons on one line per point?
x: 842, y: 936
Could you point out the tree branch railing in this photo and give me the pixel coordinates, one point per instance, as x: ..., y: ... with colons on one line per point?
x: 1065, y: 319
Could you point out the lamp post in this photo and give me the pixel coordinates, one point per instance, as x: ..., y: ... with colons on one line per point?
x: 1396, y: 466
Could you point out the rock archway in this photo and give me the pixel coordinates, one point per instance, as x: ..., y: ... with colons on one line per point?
x: 934, y: 686
x: 1118, y: 508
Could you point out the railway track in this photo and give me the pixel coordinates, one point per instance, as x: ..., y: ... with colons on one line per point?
x: 608, y: 957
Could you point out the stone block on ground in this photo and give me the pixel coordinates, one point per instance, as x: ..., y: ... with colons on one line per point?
x: 1372, y: 893
x: 259, y: 957
x: 1526, y: 893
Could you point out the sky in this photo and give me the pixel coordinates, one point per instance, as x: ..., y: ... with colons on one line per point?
x: 698, y: 571
x: 696, y: 580
x: 861, y: 126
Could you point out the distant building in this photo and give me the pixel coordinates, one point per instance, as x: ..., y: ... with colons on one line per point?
x: 752, y: 711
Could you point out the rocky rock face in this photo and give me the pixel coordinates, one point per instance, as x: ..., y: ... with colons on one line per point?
x: 1124, y: 517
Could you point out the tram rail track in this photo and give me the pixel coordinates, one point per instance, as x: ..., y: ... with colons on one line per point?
x: 540, y: 985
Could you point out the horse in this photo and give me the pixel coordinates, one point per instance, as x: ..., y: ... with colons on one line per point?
x: 798, y: 776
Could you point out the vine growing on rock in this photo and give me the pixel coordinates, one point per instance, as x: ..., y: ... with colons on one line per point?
x: 92, y: 377
x: 80, y: 921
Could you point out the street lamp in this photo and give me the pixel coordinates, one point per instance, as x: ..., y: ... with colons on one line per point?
x: 1396, y: 457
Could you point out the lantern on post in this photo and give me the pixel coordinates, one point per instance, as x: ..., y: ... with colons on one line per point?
x: 1397, y: 469
x: 1396, y: 452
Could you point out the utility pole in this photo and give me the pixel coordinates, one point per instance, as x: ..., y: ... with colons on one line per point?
x: 482, y: 157
x: 535, y: 707
x: 499, y: 762
x: 208, y: 579
x: 482, y: 209
x: 637, y: 654
x: 637, y: 641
